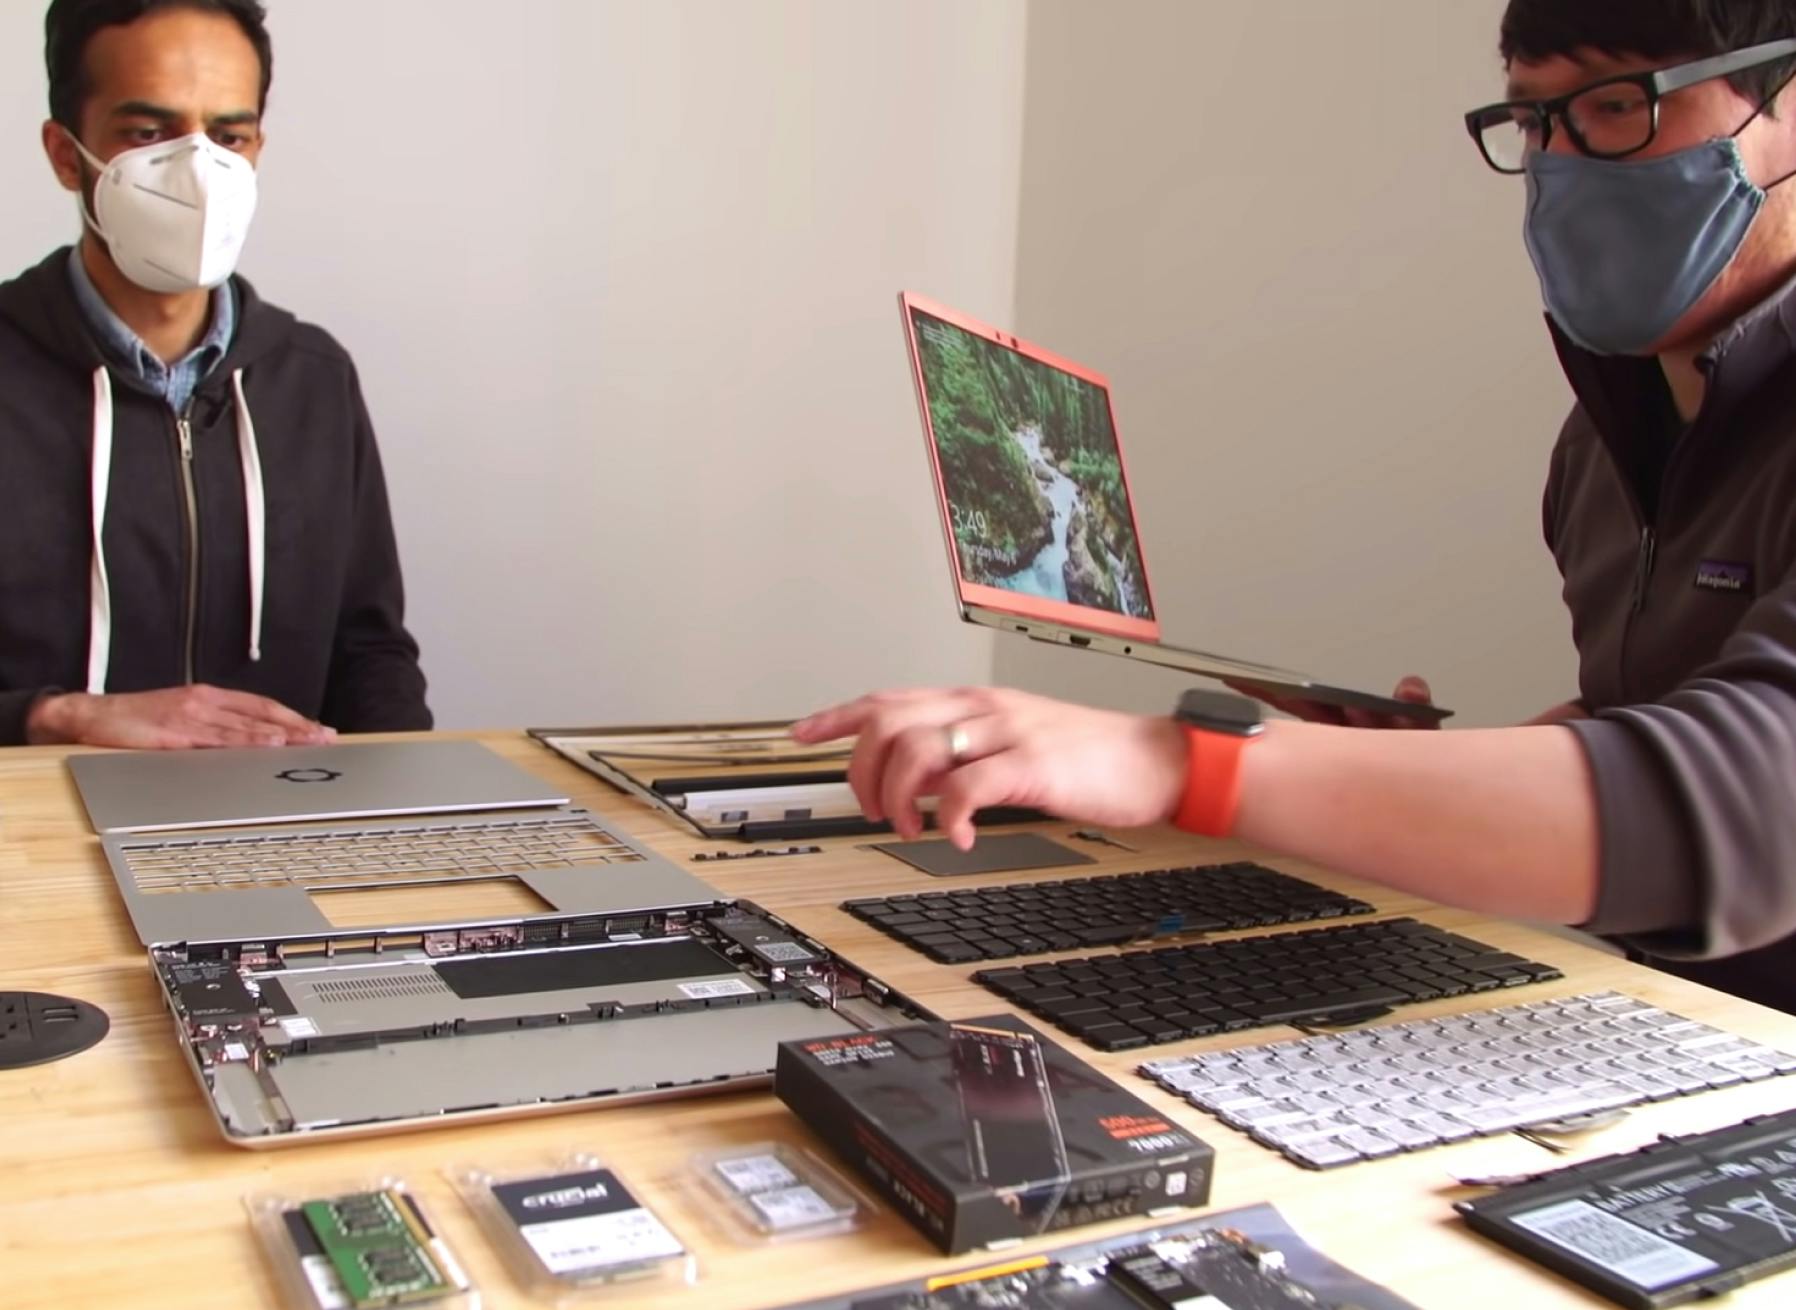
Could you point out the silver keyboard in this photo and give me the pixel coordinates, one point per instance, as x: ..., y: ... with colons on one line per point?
x: 376, y: 854
x: 1341, y: 1098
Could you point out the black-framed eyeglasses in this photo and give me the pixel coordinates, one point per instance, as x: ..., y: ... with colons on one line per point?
x: 1611, y: 119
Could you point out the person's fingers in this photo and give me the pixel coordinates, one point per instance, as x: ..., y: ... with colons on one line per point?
x: 217, y: 726
x: 895, y: 715
x: 145, y: 723
x: 844, y: 720
x: 850, y: 717
x: 260, y: 708
x: 187, y: 735
x: 1415, y: 690
x: 993, y: 780
x: 925, y: 752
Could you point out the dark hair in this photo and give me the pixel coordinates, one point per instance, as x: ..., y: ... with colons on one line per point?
x: 71, y: 24
x: 1534, y: 30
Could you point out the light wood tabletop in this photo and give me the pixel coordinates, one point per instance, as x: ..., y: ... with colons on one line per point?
x: 116, y: 1188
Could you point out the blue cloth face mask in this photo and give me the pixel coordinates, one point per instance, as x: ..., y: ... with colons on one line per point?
x: 1625, y: 249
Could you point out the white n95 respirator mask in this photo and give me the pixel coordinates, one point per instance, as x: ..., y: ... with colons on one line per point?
x: 174, y: 214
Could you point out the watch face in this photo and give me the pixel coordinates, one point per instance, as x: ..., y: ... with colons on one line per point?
x: 1220, y: 712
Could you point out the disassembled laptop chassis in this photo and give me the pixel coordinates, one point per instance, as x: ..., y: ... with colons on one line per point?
x: 377, y: 1030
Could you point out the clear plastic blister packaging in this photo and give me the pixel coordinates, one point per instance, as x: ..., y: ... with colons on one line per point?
x: 771, y: 1192
x: 572, y: 1229
x: 358, y: 1248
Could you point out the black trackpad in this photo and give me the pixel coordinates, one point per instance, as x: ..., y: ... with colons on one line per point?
x: 592, y: 966
x: 990, y: 854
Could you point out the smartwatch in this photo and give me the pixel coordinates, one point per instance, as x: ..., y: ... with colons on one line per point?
x: 1218, y: 728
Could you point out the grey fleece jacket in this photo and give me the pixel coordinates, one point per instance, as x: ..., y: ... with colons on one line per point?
x: 1680, y: 575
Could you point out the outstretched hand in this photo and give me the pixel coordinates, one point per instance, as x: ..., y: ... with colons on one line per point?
x: 976, y: 747
x: 175, y: 718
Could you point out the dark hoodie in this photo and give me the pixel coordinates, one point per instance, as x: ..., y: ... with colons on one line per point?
x: 1678, y: 551
x: 278, y: 426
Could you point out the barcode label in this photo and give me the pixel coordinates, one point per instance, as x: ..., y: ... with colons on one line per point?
x: 600, y: 1241
x: 1643, y: 1258
x: 784, y: 953
x: 795, y: 1207
x: 704, y: 991
x: 756, y: 1173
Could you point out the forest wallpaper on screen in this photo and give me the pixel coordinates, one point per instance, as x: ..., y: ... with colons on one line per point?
x: 1034, y: 482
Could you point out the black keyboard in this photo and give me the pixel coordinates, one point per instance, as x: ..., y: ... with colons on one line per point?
x: 1031, y: 918
x: 1321, y: 975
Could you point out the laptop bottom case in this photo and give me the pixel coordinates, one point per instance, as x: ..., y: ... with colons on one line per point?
x: 354, y: 1033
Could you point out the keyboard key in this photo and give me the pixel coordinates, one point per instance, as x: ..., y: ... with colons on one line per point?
x: 1061, y: 1011
x: 1114, y: 1037
x: 1158, y: 1030
x: 1323, y: 1153
x: 953, y: 951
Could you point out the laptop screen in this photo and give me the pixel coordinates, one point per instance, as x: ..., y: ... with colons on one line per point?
x: 1035, y: 498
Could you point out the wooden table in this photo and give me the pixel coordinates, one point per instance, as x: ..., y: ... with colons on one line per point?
x: 117, y: 1189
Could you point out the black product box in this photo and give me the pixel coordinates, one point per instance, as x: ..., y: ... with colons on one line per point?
x: 985, y: 1131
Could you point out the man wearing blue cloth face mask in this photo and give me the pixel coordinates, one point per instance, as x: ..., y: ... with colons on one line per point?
x: 1652, y: 141
x: 198, y: 550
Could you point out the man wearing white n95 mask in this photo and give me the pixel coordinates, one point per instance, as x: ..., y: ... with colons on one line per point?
x: 197, y: 549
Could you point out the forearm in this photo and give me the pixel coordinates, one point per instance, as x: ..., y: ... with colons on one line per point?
x: 1502, y: 821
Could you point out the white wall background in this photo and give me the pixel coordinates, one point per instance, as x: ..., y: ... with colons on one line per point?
x: 1267, y: 224
x: 619, y: 275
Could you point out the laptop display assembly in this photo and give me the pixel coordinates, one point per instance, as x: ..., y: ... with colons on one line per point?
x: 162, y: 791
x: 637, y: 979
x: 742, y: 781
x: 1041, y: 530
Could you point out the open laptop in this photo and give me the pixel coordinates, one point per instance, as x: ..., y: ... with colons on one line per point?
x: 306, y: 1014
x: 1041, y: 530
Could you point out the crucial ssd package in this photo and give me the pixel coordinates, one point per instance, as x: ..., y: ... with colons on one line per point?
x: 985, y: 1131
x: 1684, y: 1219
x: 359, y: 1249
x: 574, y: 1229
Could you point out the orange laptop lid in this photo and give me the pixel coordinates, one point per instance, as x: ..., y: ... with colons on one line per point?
x: 1030, y: 478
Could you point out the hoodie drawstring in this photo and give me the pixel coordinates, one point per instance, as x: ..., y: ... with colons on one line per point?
x: 255, y: 504
x: 99, y: 587
x: 255, y: 508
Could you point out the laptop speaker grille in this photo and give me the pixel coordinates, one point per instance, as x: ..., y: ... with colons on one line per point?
x: 386, y: 987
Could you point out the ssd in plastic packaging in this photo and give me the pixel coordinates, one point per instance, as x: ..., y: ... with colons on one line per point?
x: 772, y: 1192
x: 574, y: 1229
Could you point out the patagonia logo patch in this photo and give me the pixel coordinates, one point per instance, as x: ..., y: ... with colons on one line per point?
x: 1723, y: 575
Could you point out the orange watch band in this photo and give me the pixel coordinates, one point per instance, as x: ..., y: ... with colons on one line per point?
x: 1212, y: 782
